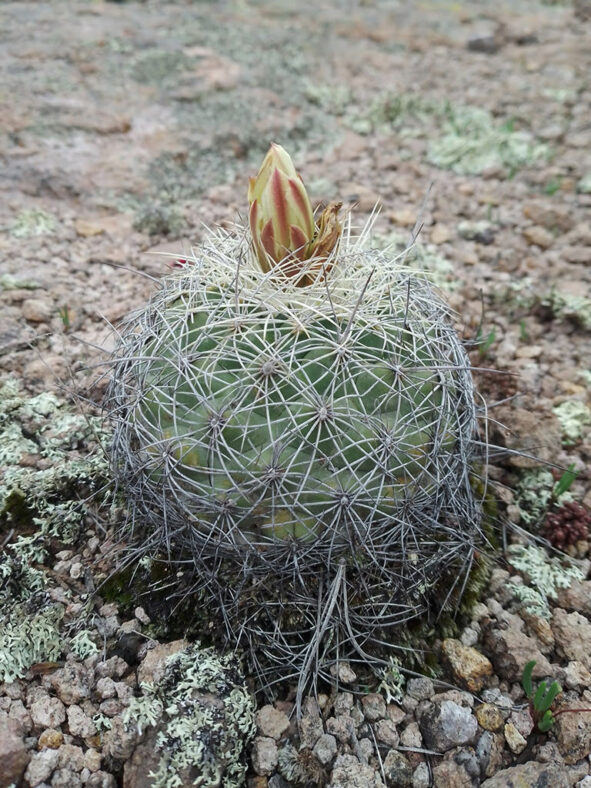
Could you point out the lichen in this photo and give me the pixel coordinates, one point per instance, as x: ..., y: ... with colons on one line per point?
x: 472, y: 141
x: 392, y: 681
x: 530, y: 600
x: 194, y: 731
x: 82, y: 645
x: 27, y: 638
x: 44, y: 484
x: 32, y: 222
x: 533, y: 494
x: 584, y: 185
x: 576, y: 308
x: 573, y: 416
x: 544, y: 573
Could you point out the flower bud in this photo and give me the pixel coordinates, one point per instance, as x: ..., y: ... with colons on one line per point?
x: 281, y: 219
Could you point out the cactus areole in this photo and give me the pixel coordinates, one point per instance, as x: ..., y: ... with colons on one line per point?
x: 294, y: 420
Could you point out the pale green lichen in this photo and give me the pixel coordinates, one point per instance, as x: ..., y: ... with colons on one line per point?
x: 82, y: 645
x: 584, y: 185
x: 576, y: 308
x: 392, y: 681
x: 533, y: 494
x: 573, y: 416
x: 530, y: 600
x: 473, y: 141
x: 544, y: 573
x: 48, y: 491
x: 27, y: 638
x: 204, y: 717
x: 32, y: 222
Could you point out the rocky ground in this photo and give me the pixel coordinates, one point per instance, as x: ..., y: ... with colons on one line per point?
x: 125, y: 128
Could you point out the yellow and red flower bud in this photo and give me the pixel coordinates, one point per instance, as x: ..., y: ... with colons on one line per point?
x: 281, y: 218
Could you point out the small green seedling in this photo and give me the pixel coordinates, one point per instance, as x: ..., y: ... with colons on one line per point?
x: 66, y: 317
x: 540, y: 701
x: 565, y: 482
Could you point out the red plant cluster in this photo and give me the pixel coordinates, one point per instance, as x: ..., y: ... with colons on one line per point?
x: 569, y: 525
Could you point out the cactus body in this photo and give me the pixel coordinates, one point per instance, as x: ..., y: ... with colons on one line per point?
x: 305, y: 449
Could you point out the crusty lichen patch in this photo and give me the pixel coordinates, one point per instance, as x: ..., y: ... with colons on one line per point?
x: 205, y: 719
x: 544, y: 573
x: 47, y: 471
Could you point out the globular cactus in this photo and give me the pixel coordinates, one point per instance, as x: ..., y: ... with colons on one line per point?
x: 295, y: 419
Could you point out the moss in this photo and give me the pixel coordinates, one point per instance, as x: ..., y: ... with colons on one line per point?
x: 573, y: 416
x: 201, y: 742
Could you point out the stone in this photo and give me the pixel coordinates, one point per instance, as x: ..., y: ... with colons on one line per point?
x: 14, y: 757
x: 445, y: 725
x: 87, y: 229
x: 271, y: 723
x: 48, y: 712
x: 576, y: 676
x: 115, y: 667
x: 395, y: 713
x: 343, y: 727
x: 449, y: 774
x: 397, y: 769
x: 572, y: 633
x: 92, y: 760
x: 573, y: 731
x: 440, y: 234
x: 411, y: 736
x: 37, y: 310
x: 469, y: 666
x: 529, y: 775
x: 386, y: 732
x: 325, y: 749
x: 374, y: 706
x: 420, y: 688
x: 348, y: 772
x: 41, y: 767
x: 71, y: 757
x: 101, y: 780
x: 489, y: 717
x: 552, y: 217
x: 514, y: 739
x: 490, y: 752
x: 65, y: 778
x: 264, y: 755
x: 79, y: 723
x: 344, y: 672
x: 538, y: 236
x: 71, y: 683
x: 105, y: 688
x: 404, y: 217
x: 51, y: 738
x: 511, y: 649
x: 20, y: 715
x: 421, y: 777
x: 310, y: 725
